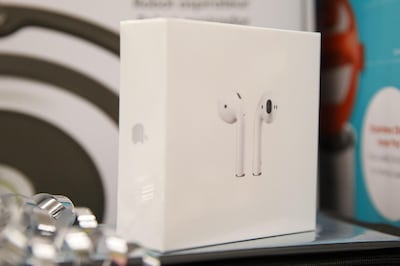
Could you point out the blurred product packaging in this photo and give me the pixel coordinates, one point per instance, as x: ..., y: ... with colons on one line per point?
x: 360, y: 105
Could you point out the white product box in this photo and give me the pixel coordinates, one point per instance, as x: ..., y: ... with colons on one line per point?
x: 202, y: 103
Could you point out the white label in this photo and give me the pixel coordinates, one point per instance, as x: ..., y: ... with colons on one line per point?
x: 381, y: 151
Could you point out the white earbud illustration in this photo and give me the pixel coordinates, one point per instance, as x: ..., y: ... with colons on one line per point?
x: 230, y: 110
x: 265, y: 112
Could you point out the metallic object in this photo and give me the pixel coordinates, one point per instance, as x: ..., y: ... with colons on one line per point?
x: 47, y: 229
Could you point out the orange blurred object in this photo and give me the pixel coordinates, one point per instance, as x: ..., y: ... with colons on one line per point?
x: 341, y: 62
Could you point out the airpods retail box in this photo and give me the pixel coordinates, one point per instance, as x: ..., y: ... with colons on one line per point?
x: 218, y: 132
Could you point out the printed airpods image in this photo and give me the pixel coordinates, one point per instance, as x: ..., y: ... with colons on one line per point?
x: 265, y: 113
x: 230, y: 109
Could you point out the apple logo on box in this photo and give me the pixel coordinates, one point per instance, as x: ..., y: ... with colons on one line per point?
x: 138, y: 135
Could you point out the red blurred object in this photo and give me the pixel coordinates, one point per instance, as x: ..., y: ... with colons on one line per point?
x: 342, y: 61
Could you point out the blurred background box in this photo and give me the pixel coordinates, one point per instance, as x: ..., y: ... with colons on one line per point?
x: 360, y: 122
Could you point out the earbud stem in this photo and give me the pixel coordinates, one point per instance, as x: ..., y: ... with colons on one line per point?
x: 257, y: 147
x: 240, y: 147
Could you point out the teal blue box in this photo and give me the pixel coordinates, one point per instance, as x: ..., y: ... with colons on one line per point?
x: 376, y: 114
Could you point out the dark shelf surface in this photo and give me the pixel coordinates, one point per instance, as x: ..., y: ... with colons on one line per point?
x: 334, y: 242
